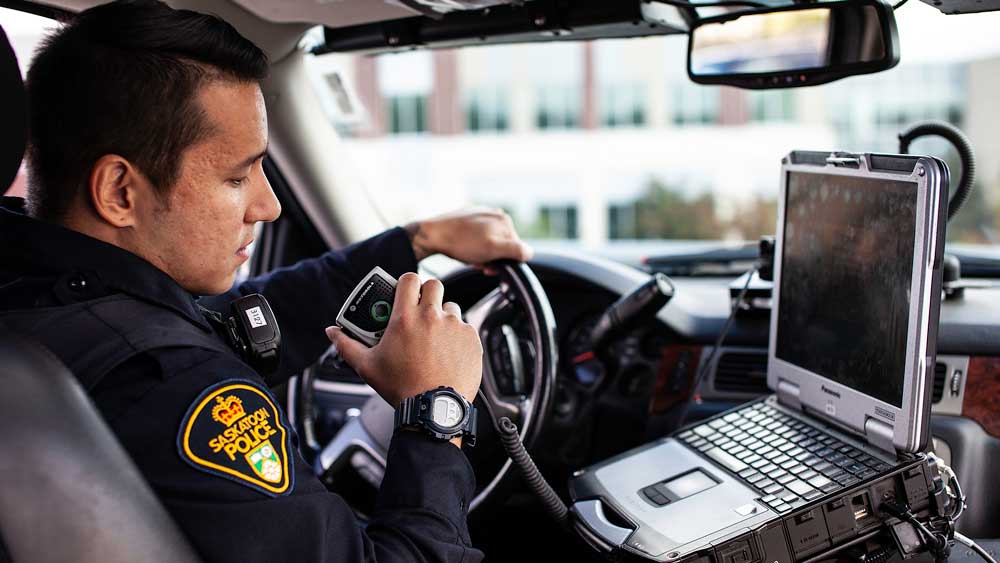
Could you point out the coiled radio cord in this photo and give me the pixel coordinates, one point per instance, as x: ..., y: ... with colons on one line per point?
x: 529, y: 471
x: 519, y: 456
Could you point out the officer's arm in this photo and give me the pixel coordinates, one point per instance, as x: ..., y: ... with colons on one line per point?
x: 217, y: 449
x: 305, y: 297
x: 420, y: 515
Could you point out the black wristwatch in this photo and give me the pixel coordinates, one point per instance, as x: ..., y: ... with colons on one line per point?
x: 442, y: 413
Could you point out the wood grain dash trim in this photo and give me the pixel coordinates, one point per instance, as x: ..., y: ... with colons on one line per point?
x: 982, y: 393
x: 678, y: 367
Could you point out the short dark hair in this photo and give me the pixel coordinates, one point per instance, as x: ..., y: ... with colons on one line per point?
x: 121, y: 78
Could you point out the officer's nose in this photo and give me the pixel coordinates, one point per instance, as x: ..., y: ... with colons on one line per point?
x: 265, y: 205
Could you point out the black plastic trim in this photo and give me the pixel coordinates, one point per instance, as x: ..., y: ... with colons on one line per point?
x: 974, y: 457
x: 893, y: 163
x: 535, y: 21
x: 817, y: 158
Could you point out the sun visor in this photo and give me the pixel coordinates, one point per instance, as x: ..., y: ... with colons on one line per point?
x: 963, y: 6
x: 528, y: 22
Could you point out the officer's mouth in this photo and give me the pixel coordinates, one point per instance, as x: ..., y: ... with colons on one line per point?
x: 243, y: 253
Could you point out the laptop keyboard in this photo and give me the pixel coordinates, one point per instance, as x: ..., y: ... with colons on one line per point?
x: 788, y: 461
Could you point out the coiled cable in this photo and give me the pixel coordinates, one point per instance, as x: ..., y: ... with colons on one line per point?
x: 529, y: 471
x: 961, y: 143
x: 519, y: 456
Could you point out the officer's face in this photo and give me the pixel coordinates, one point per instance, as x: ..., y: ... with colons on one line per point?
x: 200, y: 238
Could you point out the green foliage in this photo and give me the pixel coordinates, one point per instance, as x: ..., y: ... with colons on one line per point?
x: 758, y: 218
x: 664, y: 212
x: 552, y: 222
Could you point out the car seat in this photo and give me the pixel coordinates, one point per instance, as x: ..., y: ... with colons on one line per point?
x: 68, y: 491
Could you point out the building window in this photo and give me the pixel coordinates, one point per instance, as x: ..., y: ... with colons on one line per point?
x: 694, y: 104
x: 870, y: 111
x: 772, y: 106
x: 558, y: 107
x: 405, y: 83
x: 623, y: 221
x: 486, y: 109
x: 407, y: 114
x: 623, y: 104
x: 555, y: 221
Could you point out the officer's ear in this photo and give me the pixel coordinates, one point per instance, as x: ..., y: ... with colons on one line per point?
x: 115, y: 189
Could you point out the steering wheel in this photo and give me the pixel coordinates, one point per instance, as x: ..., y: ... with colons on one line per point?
x: 505, y: 386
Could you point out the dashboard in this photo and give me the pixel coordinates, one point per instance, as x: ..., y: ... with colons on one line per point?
x: 652, y: 367
x: 965, y: 420
x: 608, y: 401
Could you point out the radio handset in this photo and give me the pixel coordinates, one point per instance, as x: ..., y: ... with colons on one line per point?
x: 366, y: 311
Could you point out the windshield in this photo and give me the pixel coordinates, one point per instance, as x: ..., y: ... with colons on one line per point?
x: 608, y: 142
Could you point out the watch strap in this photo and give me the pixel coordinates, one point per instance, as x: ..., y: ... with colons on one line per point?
x: 406, y: 413
x: 469, y: 431
x: 410, y: 415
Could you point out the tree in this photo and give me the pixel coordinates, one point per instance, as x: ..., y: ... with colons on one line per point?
x: 664, y: 212
x: 757, y: 219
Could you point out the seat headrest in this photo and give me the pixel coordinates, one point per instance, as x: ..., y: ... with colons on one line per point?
x: 13, y: 108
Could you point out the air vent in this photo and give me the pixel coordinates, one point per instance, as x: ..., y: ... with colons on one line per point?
x: 741, y: 372
x: 940, y: 374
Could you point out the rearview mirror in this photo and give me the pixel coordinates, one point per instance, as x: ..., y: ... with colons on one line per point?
x: 800, y: 45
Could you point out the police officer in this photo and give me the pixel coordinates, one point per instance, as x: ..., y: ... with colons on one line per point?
x: 148, y: 129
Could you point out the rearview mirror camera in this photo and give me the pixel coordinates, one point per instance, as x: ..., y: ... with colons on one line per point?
x: 800, y: 45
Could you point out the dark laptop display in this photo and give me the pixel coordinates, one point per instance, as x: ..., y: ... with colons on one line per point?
x: 856, y: 301
x: 847, y: 271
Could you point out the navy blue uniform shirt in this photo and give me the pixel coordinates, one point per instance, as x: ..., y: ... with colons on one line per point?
x: 206, y: 433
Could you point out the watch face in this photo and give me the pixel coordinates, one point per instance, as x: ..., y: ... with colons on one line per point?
x: 447, y: 411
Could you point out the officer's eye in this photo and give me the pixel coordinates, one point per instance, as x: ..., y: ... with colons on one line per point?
x: 238, y: 181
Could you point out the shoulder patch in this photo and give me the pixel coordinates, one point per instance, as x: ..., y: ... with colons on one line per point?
x: 234, y: 430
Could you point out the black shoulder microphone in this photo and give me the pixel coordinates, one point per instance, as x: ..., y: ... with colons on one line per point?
x: 253, y: 332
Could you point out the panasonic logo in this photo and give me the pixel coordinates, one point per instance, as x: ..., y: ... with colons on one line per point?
x: 829, y: 391
x: 885, y: 413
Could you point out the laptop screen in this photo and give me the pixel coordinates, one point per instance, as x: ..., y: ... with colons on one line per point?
x: 846, y: 273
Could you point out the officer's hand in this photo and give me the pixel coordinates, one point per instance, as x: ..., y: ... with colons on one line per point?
x: 425, y: 345
x: 474, y: 236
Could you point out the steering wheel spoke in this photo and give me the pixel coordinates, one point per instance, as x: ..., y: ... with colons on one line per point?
x: 480, y: 314
x: 362, y: 443
x: 498, y: 339
x: 518, y: 380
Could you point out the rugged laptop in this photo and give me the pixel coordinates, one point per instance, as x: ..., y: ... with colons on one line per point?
x: 857, y: 291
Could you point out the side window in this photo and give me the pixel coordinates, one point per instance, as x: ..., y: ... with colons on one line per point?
x: 25, y: 32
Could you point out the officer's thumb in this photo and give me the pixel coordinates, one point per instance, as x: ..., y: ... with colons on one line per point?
x: 352, y: 351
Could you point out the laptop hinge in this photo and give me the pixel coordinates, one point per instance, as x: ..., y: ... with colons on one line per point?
x: 879, y: 434
x: 788, y: 394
